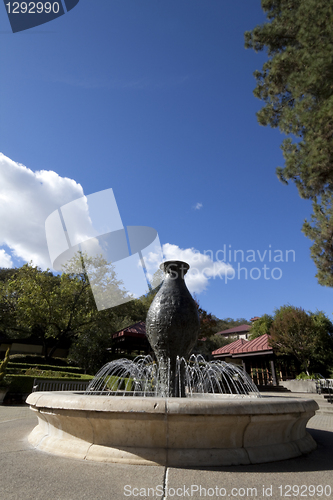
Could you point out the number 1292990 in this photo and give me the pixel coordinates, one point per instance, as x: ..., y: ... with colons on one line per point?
x: 32, y: 7
x: 304, y: 490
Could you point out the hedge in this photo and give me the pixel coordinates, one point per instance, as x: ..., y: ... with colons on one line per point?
x: 35, y: 372
x: 71, y: 369
x: 34, y: 358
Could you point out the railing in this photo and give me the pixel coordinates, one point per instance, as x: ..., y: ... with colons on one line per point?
x: 325, y: 386
x: 59, y: 385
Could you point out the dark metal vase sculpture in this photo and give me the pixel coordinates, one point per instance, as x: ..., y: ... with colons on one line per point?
x: 172, y: 327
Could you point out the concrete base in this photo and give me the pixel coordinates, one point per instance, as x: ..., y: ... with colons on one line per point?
x: 176, y: 432
x: 3, y: 392
x: 300, y: 386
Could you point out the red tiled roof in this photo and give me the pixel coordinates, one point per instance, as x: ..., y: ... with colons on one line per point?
x: 259, y: 344
x: 245, y: 346
x: 136, y: 330
x: 226, y: 349
x: 236, y: 329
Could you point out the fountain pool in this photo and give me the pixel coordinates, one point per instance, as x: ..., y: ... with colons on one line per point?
x: 200, y: 431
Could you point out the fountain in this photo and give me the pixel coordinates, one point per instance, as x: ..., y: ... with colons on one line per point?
x: 176, y: 412
x: 143, y: 377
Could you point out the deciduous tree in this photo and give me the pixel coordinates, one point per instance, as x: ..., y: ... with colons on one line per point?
x: 54, y: 307
x: 305, y: 336
x: 46, y: 306
x: 261, y: 326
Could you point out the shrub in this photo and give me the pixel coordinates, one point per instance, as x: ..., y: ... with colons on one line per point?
x: 32, y: 359
x: 50, y: 373
x: 24, y: 366
x: 305, y: 376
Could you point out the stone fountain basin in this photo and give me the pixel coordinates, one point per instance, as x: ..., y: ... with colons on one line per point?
x: 201, y: 431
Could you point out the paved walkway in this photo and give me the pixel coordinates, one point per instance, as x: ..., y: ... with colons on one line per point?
x: 27, y: 474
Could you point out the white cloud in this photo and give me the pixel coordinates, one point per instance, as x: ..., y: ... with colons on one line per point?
x: 27, y: 198
x: 5, y: 259
x: 202, y: 267
x: 198, y: 206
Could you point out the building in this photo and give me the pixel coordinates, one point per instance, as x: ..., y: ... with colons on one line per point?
x: 256, y: 356
x: 238, y: 332
x: 131, y: 339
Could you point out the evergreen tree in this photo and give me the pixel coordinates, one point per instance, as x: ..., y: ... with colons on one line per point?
x: 296, y: 85
x: 320, y: 230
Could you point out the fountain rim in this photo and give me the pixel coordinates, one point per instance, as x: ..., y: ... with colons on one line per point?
x: 174, y: 431
x: 205, y: 404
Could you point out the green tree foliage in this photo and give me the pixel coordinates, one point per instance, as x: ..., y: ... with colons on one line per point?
x: 103, y: 280
x: 6, y: 274
x: 46, y: 306
x: 323, y: 353
x: 89, y: 347
x: 209, y: 326
x: 207, y: 321
x: 53, y: 308
x: 7, y: 302
x: 296, y: 85
x: 210, y: 344
x: 305, y: 336
x: 261, y: 326
x: 320, y: 230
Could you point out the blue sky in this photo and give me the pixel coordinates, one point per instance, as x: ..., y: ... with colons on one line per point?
x: 154, y: 100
